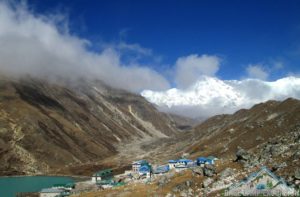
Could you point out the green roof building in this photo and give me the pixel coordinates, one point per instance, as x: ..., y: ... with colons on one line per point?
x: 102, y: 175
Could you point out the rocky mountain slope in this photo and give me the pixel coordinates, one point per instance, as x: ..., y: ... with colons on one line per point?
x: 44, y: 126
x: 222, y: 134
x: 268, y: 134
x: 247, y: 129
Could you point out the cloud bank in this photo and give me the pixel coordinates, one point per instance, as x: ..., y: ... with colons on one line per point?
x: 257, y: 71
x: 211, y: 96
x: 189, y: 68
x: 41, y: 46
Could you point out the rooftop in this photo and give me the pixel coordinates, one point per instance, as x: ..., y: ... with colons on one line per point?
x: 52, y: 190
x: 185, y: 160
x: 103, y: 172
x: 140, y: 162
x: 211, y: 157
x: 59, y: 185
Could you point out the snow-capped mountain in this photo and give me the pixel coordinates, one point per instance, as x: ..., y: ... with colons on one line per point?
x: 210, y: 95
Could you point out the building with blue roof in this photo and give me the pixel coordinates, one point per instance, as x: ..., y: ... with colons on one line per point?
x: 201, y: 161
x: 136, y: 165
x: 142, y: 168
x: 145, y: 169
x: 180, y: 163
x: 161, y: 169
x: 184, y: 163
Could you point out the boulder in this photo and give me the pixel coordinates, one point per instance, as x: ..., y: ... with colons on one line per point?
x: 207, y: 182
x: 274, y: 141
x: 198, y: 170
x: 297, y: 174
x: 184, y: 194
x: 175, y: 189
x: 259, y: 138
x: 226, y: 173
x: 180, y: 187
x: 289, y: 180
x: 296, y: 155
x: 209, y: 170
x: 276, y: 150
x: 185, y: 155
x: 189, y: 183
x: 242, y: 155
x: 187, y: 193
x: 170, y: 195
x: 249, y: 160
x: 277, y: 166
x: 183, y: 186
x: 218, y: 184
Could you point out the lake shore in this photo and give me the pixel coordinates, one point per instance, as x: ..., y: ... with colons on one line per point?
x: 76, y: 178
x: 11, y: 185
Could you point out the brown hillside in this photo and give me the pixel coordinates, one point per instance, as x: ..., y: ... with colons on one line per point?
x: 45, y: 126
x: 221, y: 135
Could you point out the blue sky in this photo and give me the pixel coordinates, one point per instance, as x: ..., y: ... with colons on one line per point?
x: 239, y: 32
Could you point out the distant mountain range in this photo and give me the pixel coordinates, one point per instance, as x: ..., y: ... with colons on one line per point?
x: 211, y: 96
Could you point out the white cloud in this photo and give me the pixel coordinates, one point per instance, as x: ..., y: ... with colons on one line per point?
x: 42, y: 47
x: 210, y: 96
x: 257, y: 72
x: 134, y: 48
x: 293, y: 74
x: 190, y: 68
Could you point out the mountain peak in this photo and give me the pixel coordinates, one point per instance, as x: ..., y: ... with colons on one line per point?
x: 213, y: 96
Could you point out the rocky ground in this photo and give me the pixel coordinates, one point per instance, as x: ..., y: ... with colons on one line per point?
x: 210, y: 180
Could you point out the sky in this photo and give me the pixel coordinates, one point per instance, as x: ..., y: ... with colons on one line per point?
x: 240, y: 32
x: 154, y: 45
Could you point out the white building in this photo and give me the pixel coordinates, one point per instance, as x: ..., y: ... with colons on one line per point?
x: 96, y: 178
x: 183, y: 163
x: 51, y: 192
x: 103, y: 174
x: 172, y: 164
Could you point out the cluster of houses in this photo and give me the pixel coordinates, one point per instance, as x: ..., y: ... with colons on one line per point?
x: 263, y: 182
x: 57, y: 190
x: 143, y: 170
x: 187, y: 163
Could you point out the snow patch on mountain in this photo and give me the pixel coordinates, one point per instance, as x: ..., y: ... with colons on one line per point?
x: 210, y: 96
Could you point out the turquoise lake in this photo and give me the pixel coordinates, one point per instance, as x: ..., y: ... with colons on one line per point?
x: 9, y: 186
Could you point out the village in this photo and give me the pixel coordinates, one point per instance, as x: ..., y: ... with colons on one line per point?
x: 261, y: 182
x: 142, y: 172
